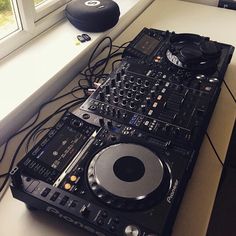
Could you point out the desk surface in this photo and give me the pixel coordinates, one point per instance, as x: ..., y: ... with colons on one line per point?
x: 194, y: 213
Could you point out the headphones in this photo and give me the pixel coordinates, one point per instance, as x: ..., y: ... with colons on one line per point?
x: 93, y: 15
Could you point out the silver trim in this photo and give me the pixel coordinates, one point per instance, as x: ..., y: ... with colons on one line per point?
x: 101, y: 171
x: 75, y: 160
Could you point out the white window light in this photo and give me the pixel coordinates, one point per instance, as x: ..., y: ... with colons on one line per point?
x: 31, y: 17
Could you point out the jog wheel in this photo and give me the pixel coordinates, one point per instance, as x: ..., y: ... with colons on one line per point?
x: 128, y: 176
x: 193, y: 52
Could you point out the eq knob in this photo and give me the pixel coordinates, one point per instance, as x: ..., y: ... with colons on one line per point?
x: 137, y: 97
x: 118, y: 77
x: 131, y: 80
x: 116, y: 99
x: 118, y: 113
x: 119, y: 84
x: 134, y: 88
x: 146, y: 83
x: 114, y: 91
x: 113, y: 112
x: 102, y: 96
x: 121, y: 93
x: 124, y: 102
x: 113, y: 83
x: 129, y: 94
x: 107, y: 109
x: 132, y: 104
x: 142, y: 90
x: 107, y: 89
x: 139, y: 81
x: 126, y: 85
x: 122, y: 71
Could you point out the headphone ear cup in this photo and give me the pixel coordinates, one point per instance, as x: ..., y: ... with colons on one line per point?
x: 93, y: 16
x: 209, y: 49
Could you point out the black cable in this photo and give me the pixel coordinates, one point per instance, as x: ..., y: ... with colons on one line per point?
x: 34, y: 121
x: 59, y: 110
x: 114, y: 62
x: 91, y: 75
x: 3, y: 175
x: 216, y: 153
x: 229, y: 91
x: 4, y: 151
x: 90, y: 69
x: 34, y: 137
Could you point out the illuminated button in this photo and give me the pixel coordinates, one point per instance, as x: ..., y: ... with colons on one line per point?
x: 67, y: 186
x: 150, y: 112
x: 154, y: 105
x: 163, y: 90
x: 73, y: 178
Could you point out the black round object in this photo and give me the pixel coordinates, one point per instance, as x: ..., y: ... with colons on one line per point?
x: 129, y: 169
x: 93, y: 16
x: 193, y: 52
x: 128, y: 176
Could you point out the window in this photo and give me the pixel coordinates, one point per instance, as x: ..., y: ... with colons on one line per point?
x: 22, y: 20
x: 8, y: 21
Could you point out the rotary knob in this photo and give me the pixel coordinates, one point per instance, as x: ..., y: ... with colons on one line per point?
x: 137, y: 97
x: 107, y: 88
x: 113, y: 83
x: 132, y: 104
x: 124, y: 102
x: 116, y: 99
x: 102, y: 96
x: 131, y: 80
x: 146, y: 83
x: 126, y: 85
x: 134, y: 88
x: 121, y: 93
x: 132, y: 230
x: 122, y: 71
x: 129, y: 94
x: 139, y: 81
x: 142, y: 90
x: 118, y: 77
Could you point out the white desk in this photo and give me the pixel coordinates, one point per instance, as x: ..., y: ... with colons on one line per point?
x: 196, y: 207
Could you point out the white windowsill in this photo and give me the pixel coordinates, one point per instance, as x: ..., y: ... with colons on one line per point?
x: 36, y: 72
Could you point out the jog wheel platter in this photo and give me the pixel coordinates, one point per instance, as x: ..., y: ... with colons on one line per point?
x: 128, y: 176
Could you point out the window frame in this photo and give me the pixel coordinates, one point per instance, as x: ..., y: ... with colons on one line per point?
x: 31, y: 21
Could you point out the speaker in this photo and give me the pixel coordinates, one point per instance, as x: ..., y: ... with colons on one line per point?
x: 93, y: 16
